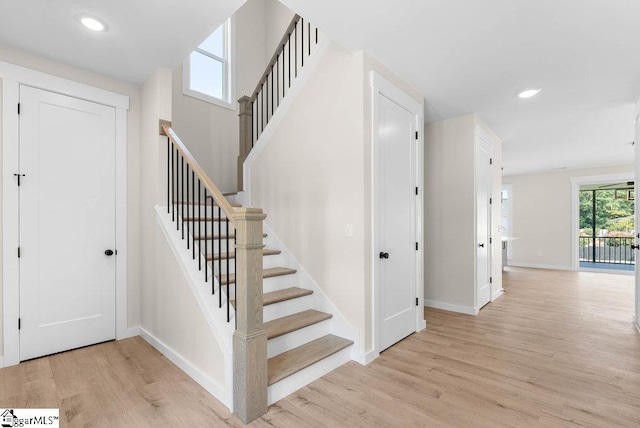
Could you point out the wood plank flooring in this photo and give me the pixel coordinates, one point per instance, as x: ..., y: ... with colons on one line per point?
x: 558, y: 349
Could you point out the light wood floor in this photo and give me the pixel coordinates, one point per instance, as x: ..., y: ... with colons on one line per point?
x: 558, y: 349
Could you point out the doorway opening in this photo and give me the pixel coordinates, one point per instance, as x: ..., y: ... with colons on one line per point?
x: 607, y: 226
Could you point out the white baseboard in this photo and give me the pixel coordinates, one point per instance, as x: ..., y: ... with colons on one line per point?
x: 635, y: 322
x: 497, y: 294
x: 609, y: 271
x: 1, y: 361
x: 468, y: 310
x: 537, y: 266
x: 214, y: 388
x: 364, y: 358
x: 130, y: 332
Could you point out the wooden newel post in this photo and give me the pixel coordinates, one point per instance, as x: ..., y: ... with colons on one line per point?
x: 246, y: 129
x: 249, y: 339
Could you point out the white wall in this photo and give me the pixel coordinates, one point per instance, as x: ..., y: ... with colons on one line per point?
x: 314, y: 177
x: 210, y: 131
x: 450, y: 213
x: 169, y: 311
x: 24, y: 59
x: 541, y: 206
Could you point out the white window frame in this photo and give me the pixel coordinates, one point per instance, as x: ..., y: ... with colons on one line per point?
x: 228, y: 89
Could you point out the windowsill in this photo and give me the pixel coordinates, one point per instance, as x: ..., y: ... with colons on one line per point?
x: 209, y: 99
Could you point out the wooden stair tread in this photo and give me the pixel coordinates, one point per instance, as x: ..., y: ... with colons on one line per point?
x: 232, y: 255
x: 283, y: 295
x: 288, y: 324
x: 266, y: 273
x: 216, y: 237
x: 290, y: 362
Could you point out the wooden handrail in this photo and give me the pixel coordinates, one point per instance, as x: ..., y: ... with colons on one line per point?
x: 275, y: 56
x: 204, y: 178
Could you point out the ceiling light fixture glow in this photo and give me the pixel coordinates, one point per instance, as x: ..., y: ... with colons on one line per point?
x: 92, y: 23
x: 530, y: 92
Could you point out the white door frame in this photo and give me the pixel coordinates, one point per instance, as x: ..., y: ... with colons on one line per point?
x: 575, y: 205
x: 381, y: 86
x: 479, y: 133
x: 12, y: 77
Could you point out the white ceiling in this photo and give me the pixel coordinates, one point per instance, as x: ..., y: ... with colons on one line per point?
x: 465, y: 56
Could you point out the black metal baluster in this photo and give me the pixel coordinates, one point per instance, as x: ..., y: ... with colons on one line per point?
x: 316, y: 35
x: 200, y: 232
x: 289, y: 62
x: 182, y: 194
x: 193, y: 201
x: 278, y: 80
x: 302, y: 43
x: 272, y: 91
x: 220, y: 260
x: 309, y: 27
x: 228, y: 255
x: 187, y: 201
x: 173, y: 189
x: 284, y: 61
x: 206, y: 259
x: 262, y: 112
x: 295, y: 50
x: 168, y: 175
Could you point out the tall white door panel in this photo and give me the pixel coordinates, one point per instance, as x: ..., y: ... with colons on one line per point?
x: 67, y: 223
x: 396, y: 199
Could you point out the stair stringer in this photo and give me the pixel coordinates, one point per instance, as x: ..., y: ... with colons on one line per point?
x: 216, y: 317
x: 339, y: 324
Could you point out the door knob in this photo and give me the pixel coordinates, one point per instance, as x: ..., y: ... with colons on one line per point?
x: 481, y: 245
x: 384, y: 255
x: 109, y: 253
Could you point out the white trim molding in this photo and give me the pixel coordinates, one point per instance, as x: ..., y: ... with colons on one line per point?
x: 536, y: 266
x: 12, y: 77
x: 214, y: 388
x: 467, y: 310
x: 497, y: 294
x: 383, y: 87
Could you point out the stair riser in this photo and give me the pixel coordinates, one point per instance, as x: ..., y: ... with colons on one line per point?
x: 288, y: 307
x: 297, y: 338
x: 289, y: 385
x: 279, y: 283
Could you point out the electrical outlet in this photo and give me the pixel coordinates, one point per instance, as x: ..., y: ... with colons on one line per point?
x: 348, y: 231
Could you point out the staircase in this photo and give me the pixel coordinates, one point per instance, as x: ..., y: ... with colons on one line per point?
x: 298, y: 336
x: 282, y: 338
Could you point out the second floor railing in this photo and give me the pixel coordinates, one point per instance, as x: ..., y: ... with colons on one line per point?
x: 294, y: 50
x: 607, y: 249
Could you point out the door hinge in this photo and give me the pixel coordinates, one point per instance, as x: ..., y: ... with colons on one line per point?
x: 18, y: 108
x: 490, y: 240
x: 490, y: 161
x: 490, y: 201
x: 416, y: 190
x: 490, y: 280
x: 19, y: 324
x: 417, y: 304
x: 18, y: 252
x: 19, y: 176
x: 416, y: 135
x: 416, y: 246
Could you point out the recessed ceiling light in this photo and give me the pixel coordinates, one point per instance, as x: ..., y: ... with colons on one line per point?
x: 530, y: 92
x: 92, y: 23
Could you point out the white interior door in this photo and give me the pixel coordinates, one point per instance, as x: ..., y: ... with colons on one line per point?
x: 67, y: 222
x: 483, y: 219
x: 397, y: 229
